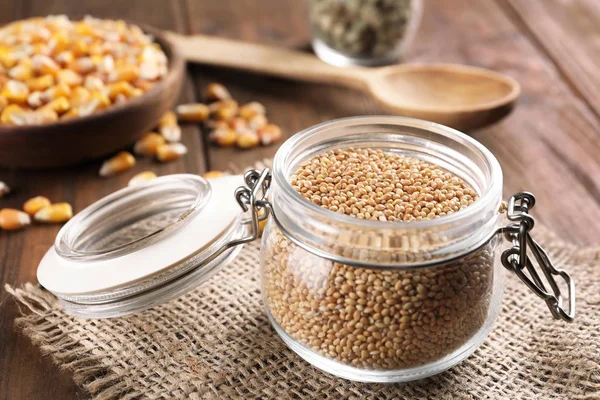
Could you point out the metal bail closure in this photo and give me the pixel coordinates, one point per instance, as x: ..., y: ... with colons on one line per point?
x: 516, y: 258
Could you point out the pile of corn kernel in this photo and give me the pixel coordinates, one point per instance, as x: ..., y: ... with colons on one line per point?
x: 53, y: 68
x: 229, y: 124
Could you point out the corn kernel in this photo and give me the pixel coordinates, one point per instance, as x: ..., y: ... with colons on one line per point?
x: 257, y: 122
x: 168, y: 128
x: 11, y: 219
x: 58, y: 42
x: 54, y: 92
x: 93, y: 83
x: 127, y: 73
x: 224, y: 137
x: 79, y: 96
x: 247, y: 111
x: 239, y: 125
x: 35, y: 99
x: 117, y: 88
x: 119, y: 163
x: 148, y: 144
x: 41, y: 83
x: 170, y: 151
x: 213, y: 174
x: 217, y: 92
x: 103, y: 100
x: 22, y: 71
x: 60, y: 105
x: 69, y: 77
x: 55, y: 213
x: 141, y: 178
x: 44, y: 65
x: 135, y: 92
x: 3, y: 102
x: 192, y: 112
x: 83, y: 65
x: 8, y: 112
x: 35, y: 204
x: 64, y: 58
x: 224, y: 110
x: 247, y: 140
x: 269, y: 134
x: 15, y: 91
x: 4, y: 189
x: 143, y: 84
x: 36, y: 117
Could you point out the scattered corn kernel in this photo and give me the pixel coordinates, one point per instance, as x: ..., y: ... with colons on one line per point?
x: 192, y: 112
x: 224, y: 137
x: 249, y: 110
x: 55, y: 213
x: 4, y: 189
x: 119, y: 163
x: 69, y: 77
x: 142, y: 177
x: 11, y: 219
x: 148, y: 144
x: 170, y: 151
x: 213, y: 174
x: 247, y: 140
x: 257, y: 122
x: 239, y: 125
x: 224, y: 110
x: 33, y: 205
x: 168, y: 128
x: 217, y: 92
x: 269, y: 134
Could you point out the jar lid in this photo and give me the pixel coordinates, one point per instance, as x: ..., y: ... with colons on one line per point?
x: 143, y: 245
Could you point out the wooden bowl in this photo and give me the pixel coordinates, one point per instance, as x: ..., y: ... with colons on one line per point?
x: 76, y: 140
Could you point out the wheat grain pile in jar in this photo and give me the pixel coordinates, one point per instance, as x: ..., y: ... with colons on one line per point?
x: 381, y: 258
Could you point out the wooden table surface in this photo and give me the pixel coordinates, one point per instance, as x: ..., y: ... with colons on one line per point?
x: 550, y: 145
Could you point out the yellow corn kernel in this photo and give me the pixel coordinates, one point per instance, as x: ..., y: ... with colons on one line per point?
x: 22, y: 71
x: 15, y: 92
x: 3, y: 103
x: 143, y: 84
x: 127, y: 72
x: 224, y: 110
x: 72, y: 113
x: 35, y: 204
x: 117, y: 88
x: 35, y: 117
x: 79, y: 96
x: 247, y: 111
x: 41, y: 83
x: 213, y: 174
x: 247, y: 140
x: 69, y: 77
x: 135, y: 92
x: 8, y: 112
x: 55, y: 213
x: 83, y: 65
x: 84, y: 29
x: 257, y: 122
x: 54, y: 92
x: 142, y: 177
x: 60, y: 105
x: 93, y: 82
x: 170, y: 151
x: 11, y: 219
x: 148, y: 144
x: 217, y: 92
x: 239, y: 125
x: 168, y: 128
x: 119, y: 163
x: 44, y: 65
x: 103, y: 100
x: 269, y: 134
x: 7, y: 58
x: 79, y: 48
x: 224, y: 137
x: 64, y: 58
x: 4, y: 189
x: 192, y: 112
x: 59, y: 41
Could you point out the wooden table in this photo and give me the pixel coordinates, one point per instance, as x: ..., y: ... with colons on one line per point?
x: 550, y: 145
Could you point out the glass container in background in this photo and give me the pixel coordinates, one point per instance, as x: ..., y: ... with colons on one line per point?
x: 363, y: 32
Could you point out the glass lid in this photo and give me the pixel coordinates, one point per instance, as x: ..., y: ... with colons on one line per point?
x: 144, y: 245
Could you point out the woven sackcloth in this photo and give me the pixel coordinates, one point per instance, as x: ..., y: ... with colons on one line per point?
x: 217, y: 343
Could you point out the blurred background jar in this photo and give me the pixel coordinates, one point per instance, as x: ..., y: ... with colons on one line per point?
x: 363, y: 32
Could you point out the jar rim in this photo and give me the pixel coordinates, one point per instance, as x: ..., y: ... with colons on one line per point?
x: 489, y: 193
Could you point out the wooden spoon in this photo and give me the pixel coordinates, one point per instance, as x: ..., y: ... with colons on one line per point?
x: 459, y: 96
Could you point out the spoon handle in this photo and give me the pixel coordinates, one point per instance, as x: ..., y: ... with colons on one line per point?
x: 265, y: 59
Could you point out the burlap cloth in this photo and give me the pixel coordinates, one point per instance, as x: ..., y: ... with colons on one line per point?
x: 216, y: 342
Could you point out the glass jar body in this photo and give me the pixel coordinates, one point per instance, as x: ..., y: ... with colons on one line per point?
x: 358, y: 32
x: 379, y: 325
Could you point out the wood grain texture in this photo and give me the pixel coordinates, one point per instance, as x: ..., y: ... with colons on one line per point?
x: 549, y: 145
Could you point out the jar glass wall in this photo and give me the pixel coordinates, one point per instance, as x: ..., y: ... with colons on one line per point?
x: 376, y: 300
x: 363, y: 32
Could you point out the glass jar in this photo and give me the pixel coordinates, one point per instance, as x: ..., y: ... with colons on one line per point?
x: 364, y: 300
x: 363, y: 32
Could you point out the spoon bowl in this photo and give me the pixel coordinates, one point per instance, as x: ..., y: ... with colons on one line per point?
x: 459, y: 96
